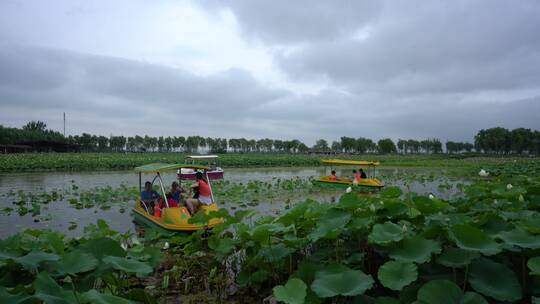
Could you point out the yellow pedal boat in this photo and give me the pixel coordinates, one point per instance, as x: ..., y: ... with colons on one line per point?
x: 172, y: 219
x: 345, y: 182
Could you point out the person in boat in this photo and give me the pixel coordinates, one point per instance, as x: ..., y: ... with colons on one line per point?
x: 356, y: 176
x: 149, y: 196
x: 333, y: 175
x: 204, y: 194
x: 362, y: 173
x: 173, y: 198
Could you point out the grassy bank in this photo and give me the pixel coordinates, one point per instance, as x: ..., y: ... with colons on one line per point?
x: 125, y: 161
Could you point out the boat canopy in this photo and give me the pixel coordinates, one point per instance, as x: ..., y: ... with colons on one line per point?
x: 202, y: 156
x: 350, y: 162
x: 162, y: 167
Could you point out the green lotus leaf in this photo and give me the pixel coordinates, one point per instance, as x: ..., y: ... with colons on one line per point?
x: 275, y: 253
x: 337, y: 280
x: 34, y: 258
x: 473, y: 298
x: 262, y: 233
x: 446, y: 292
x: 102, y: 247
x: 128, y: 265
x: 427, y: 205
x: 456, y: 257
x: 221, y: 245
x: 534, y: 265
x: 330, y: 224
x: 396, y: 275
x: 415, y: 249
x: 359, y: 223
x: 391, y: 192
x: 440, y: 292
x: 95, y: 297
x: 386, y: 233
x: 494, y: 280
x: 471, y: 238
x: 294, y: 292
x: 50, y: 292
x: 9, y: 298
x: 521, y: 238
x: 76, y: 262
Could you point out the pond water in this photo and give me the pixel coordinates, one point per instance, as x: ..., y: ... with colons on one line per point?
x: 64, y: 217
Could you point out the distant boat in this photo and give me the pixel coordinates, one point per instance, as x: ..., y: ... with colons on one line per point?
x: 213, y: 172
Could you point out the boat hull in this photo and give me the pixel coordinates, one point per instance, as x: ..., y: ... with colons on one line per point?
x: 174, y: 219
x: 367, y: 183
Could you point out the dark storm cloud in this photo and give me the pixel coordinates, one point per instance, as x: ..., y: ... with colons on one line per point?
x: 284, y: 21
x: 37, y: 79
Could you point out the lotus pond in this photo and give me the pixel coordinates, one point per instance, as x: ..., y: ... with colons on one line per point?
x: 479, y: 243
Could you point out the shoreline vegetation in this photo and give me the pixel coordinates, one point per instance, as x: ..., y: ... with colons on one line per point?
x: 39, y: 162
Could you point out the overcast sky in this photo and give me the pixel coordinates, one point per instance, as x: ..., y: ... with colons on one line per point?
x: 279, y: 69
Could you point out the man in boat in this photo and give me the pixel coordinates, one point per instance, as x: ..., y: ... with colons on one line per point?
x: 149, y: 197
x: 333, y: 175
x: 205, y: 195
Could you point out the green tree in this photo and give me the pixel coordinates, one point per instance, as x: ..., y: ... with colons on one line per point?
x: 386, y: 146
x: 320, y: 145
x: 36, y: 126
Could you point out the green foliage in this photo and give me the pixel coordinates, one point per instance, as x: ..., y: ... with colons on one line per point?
x: 337, y: 280
x: 294, y: 292
x: 396, y: 275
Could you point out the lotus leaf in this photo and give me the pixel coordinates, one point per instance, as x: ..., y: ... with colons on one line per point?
x: 446, y: 292
x: 275, y: 253
x: 386, y: 233
x: 415, y: 249
x: 128, y: 265
x: 95, y: 297
x: 520, y: 237
x: 50, y: 292
x: 294, y: 292
x: 337, y: 280
x: 221, y: 245
x: 396, y: 275
x: 534, y: 265
x: 359, y: 223
x: 76, y: 262
x: 456, y: 257
x: 262, y: 233
x: 471, y: 238
x: 331, y: 224
x: 9, y: 298
x: 101, y: 247
x: 34, y: 258
x: 391, y: 192
x: 494, y: 280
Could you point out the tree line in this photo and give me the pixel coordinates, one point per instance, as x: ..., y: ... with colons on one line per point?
x: 495, y: 140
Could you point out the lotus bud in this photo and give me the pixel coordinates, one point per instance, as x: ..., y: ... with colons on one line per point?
x: 404, y: 229
x: 521, y: 199
x: 431, y: 196
x: 372, y: 208
x: 348, y: 190
x: 124, y: 246
x: 509, y: 186
x: 381, y: 202
x: 166, y: 246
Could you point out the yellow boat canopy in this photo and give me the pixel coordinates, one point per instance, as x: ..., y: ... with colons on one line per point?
x: 162, y: 167
x: 350, y: 162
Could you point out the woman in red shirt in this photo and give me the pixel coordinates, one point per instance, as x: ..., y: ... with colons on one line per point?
x: 205, y: 194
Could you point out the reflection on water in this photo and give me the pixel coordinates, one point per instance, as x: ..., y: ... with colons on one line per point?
x: 60, y: 215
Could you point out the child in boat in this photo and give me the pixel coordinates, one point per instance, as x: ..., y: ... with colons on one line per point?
x: 149, y: 197
x: 205, y: 195
x: 356, y: 177
x: 175, y: 194
x: 333, y: 175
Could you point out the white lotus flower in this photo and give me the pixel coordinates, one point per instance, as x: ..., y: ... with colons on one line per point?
x: 431, y: 196
x: 509, y: 186
x: 166, y: 246
x: 404, y: 229
x: 521, y: 199
x: 124, y: 246
x: 483, y: 173
x: 348, y: 190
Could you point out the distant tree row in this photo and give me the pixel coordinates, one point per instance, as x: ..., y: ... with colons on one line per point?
x: 494, y: 140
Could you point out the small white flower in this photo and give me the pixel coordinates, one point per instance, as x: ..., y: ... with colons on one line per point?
x: 521, y: 199
x: 372, y: 208
x: 431, y: 196
x: 509, y: 186
x: 348, y: 190
x: 381, y: 202
x: 124, y: 246
x: 404, y: 229
x: 166, y: 246
x: 483, y: 173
